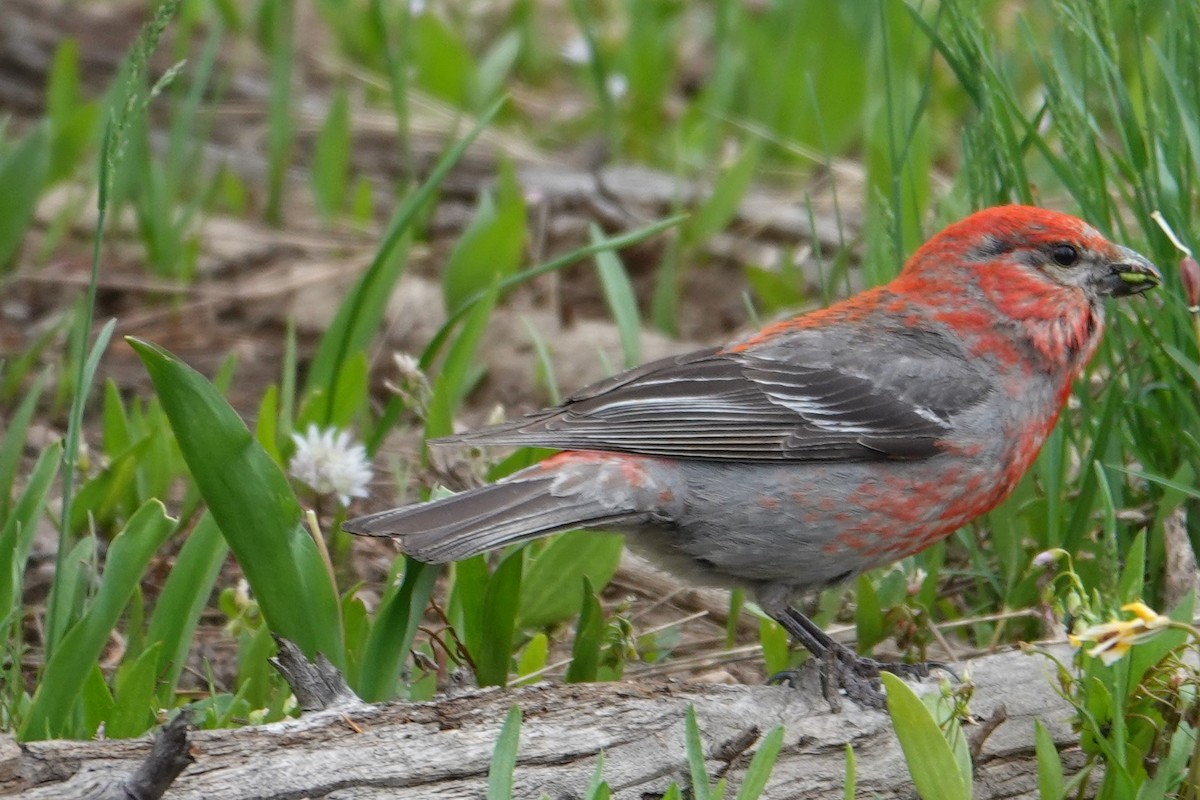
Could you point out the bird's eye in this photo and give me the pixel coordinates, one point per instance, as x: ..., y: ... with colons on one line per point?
x: 1065, y: 255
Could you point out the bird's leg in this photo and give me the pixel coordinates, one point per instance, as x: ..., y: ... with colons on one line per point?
x: 858, y: 675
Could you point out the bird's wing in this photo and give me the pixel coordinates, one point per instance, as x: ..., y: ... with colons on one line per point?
x: 738, y: 406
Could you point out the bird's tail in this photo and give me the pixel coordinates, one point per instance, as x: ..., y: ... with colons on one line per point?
x: 483, y: 519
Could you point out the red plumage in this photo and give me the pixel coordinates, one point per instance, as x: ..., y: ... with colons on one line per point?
x: 821, y: 446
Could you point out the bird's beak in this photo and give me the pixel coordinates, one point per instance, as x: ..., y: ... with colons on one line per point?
x: 1130, y: 273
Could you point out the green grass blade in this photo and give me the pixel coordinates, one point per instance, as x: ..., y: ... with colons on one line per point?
x: 12, y: 444
x: 851, y: 774
x: 183, y: 598
x: 393, y: 629
x: 701, y: 790
x: 358, y: 317
x: 16, y: 536
x: 557, y: 263
x: 55, y: 702
x: 597, y: 789
x: 458, y: 371
x: 761, y: 765
x: 58, y: 616
x: 622, y: 300
x: 722, y: 204
x: 504, y: 757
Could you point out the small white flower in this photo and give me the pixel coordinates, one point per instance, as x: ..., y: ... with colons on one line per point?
x: 1048, y: 557
x: 409, y: 366
x: 576, y: 51
x: 328, y: 461
x: 617, y: 85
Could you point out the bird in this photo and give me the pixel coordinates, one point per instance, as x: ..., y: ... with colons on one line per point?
x: 822, y: 446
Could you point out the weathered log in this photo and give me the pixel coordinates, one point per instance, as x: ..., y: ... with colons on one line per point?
x: 444, y: 748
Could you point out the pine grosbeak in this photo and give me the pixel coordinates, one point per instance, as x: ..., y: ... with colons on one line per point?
x: 822, y: 446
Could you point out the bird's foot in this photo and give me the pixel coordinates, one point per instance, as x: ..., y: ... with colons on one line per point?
x: 840, y: 668
x: 909, y: 672
x: 844, y: 673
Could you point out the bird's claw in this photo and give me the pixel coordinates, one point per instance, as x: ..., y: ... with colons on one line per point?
x: 857, y: 677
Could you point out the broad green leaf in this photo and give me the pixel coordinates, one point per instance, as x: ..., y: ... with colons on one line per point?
x: 133, y: 692
x: 589, y: 637
x: 534, y: 655
x: 253, y: 505
x: 774, y: 641
x: 495, y: 68
x: 1049, y: 765
x: 931, y: 761
x: 443, y: 62
x: 97, y: 701
x: 110, y: 493
x: 868, y: 615
x: 23, y: 173
x: 498, y: 621
x: 254, y: 671
x: 331, y: 157
x: 116, y: 433
x: 465, y: 608
x: 356, y: 624
x: 392, y: 631
x: 549, y: 588
x: 490, y: 248
x: 1133, y: 574
x: 266, y: 426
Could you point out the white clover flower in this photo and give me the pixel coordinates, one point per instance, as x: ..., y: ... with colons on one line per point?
x: 328, y: 461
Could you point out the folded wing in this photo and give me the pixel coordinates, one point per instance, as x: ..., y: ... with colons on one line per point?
x: 738, y: 406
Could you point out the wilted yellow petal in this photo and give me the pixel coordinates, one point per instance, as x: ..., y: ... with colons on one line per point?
x: 1146, y: 613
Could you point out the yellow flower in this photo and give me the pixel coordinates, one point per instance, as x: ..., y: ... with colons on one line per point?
x: 1113, y: 639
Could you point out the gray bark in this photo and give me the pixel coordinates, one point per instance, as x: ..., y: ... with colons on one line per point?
x: 444, y: 748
